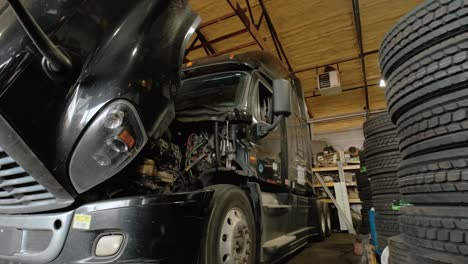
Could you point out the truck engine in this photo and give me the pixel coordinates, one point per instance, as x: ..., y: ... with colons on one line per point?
x: 187, y: 151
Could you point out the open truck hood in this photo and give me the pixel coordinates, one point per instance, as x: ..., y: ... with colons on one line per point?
x: 15, y: 45
x: 132, y: 50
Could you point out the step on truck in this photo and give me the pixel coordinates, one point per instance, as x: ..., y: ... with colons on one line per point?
x: 111, y: 151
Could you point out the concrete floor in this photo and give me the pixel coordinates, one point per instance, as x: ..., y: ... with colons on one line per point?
x: 337, y: 249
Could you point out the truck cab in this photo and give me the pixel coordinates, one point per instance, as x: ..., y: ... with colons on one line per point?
x: 259, y: 112
x: 112, y: 152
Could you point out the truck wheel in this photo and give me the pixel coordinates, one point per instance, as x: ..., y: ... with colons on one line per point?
x: 230, y: 234
x: 327, y: 214
x: 322, y: 223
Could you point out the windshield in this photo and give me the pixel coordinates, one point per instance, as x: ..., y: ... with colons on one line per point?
x: 211, y: 91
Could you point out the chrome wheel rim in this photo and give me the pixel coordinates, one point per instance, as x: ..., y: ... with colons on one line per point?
x: 235, y: 240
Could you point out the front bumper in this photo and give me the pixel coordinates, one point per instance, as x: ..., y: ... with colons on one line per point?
x: 156, y: 229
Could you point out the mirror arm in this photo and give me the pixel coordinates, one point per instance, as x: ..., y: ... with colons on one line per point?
x: 263, y: 129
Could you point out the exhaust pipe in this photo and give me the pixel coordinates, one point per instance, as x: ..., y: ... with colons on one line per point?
x: 56, y: 60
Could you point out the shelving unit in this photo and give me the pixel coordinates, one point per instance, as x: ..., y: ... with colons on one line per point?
x: 351, y: 201
x: 332, y: 184
x: 335, y: 168
x: 341, y: 197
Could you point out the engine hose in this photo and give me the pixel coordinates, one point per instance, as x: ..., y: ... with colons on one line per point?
x: 216, y: 144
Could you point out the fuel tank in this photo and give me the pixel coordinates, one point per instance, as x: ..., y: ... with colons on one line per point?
x: 126, y: 50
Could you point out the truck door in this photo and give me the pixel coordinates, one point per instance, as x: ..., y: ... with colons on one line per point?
x: 298, y: 148
x: 267, y: 148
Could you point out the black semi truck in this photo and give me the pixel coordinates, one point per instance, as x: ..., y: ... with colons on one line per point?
x: 111, y: 151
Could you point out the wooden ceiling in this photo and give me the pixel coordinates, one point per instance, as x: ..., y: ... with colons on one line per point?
x: 312, y: 34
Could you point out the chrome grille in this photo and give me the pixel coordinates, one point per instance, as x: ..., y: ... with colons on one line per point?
x: 26, y: 185
x: 17, y: 187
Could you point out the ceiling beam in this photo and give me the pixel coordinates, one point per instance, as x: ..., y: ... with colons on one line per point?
x: 205, y: 43
x: 234, y: 49
x: 344, y: 90
x: 344, y: 117
x: 248, y: 25
x: 219, y: 19
x: 274, y: 35
x: 260, y: 20
x: 190, y: 48
x: 216, y: 40
x: 249, y: 8
x: 337, y: 62
x: 357, y: 26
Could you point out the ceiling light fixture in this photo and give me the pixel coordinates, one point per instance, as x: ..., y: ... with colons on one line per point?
x: 382, y: 83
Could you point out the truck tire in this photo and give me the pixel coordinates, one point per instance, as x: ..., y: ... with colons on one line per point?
x: 383, y: 163
x: 365, y: 193
x: 399, y: 250
x: 435, y: 72
x: 363, y: 186
x: 362, y: 180
x: 381, y: 143
x: 364, y: 228
x: 322, y: 223
x: 436, y: 178
x: 382, y: 241
x: 385, y: 184
x: 229, y: 214
x: 383, y: 203
x: 427, y: 25
x: 434, y: 124
x: 328, y: 228
x: 387, y: 225
x: 438, y: 233
x: 376, y: 125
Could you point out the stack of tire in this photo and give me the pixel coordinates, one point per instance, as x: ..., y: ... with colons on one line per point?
x: 424, y: 60
x: 382, y: 158
x: 365, y: 195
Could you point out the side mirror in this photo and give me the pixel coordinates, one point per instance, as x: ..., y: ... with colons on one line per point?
x: 281, y: 106
x: 281, y: 97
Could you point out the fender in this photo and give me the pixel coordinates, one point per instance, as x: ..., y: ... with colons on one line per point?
x: 132, y: 50
x: 140, y: 61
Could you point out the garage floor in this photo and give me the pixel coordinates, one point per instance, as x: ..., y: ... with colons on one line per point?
x: 337, y: 249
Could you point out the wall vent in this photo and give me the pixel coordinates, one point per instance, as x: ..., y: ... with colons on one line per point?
x: 329, y: 82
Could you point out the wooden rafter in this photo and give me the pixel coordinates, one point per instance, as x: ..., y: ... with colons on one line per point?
x: 234, y: 49
x: 247, y: 23
x: 216, y: 40
x: 274, y: 35
x: 337, y: 62
x: 219, y: 19
x: 209, y: 49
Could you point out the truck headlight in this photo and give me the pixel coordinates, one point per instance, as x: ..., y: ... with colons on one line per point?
x: 110, y: 142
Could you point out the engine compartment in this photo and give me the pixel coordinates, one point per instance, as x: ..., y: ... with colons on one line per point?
x: 179, y: 161
x: 173, y: 162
